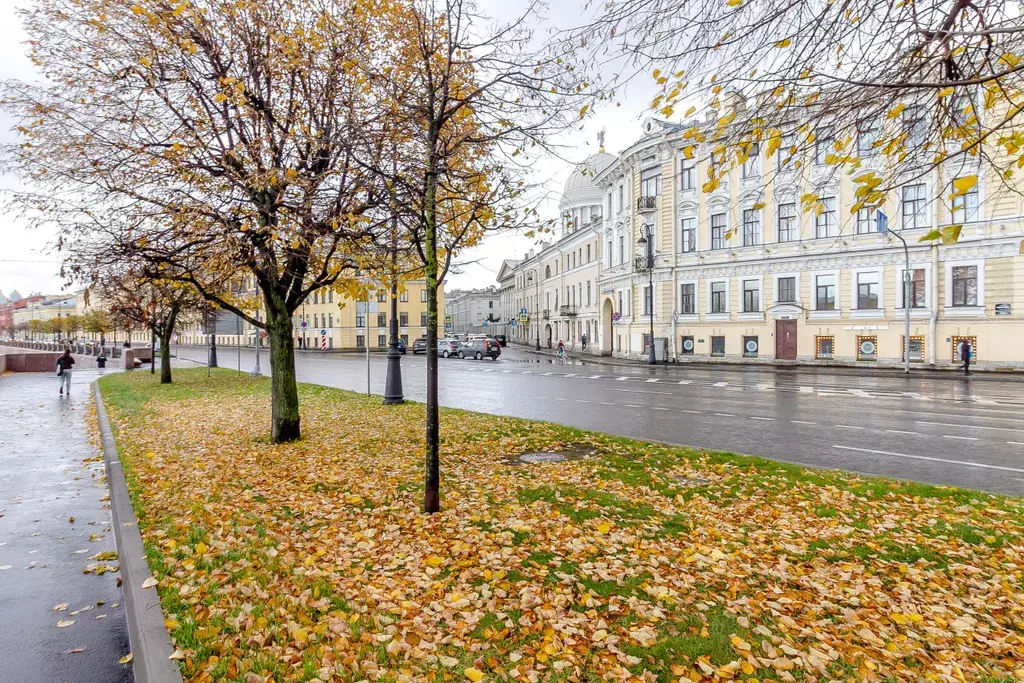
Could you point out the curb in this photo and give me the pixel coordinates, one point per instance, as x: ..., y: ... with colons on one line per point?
x: 147, y: 636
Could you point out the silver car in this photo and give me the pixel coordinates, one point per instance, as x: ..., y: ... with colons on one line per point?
x: 447, y: 348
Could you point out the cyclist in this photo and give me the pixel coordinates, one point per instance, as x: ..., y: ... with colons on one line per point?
x: 561, y: 349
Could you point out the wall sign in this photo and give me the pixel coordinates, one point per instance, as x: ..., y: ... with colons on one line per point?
x: 1003, y: 309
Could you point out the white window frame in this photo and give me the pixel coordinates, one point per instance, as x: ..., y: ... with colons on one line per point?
x: 718, y: 211
x: 795, y: 218
x: 977, y: 207
x: 696, y: 300
x: 752, y: 166
x: 925, y: 212
x: 759, y: 236
x: 928, y: 303
x: 855, y: 299
x: 824, y: 215
x: 813, y: 313
x: 949, y: 310
x: 725, y: 315
x: 687, y: 165
x: 696, y: 235
x: 775, y: 289
x: 752, y: 315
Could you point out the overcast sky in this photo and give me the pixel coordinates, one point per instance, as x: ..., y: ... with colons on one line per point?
x: 28, y: 264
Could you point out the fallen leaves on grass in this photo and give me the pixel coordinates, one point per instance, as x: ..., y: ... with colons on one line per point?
x: 313, y: 559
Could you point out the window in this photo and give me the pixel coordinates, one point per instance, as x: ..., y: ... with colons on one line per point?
x: 787, y: 222
x: 382, y: 320
x: 382, y: 297
x: 718, y: 346
x: 404, y: 296
x: 867, y: 348
x: 403, y: 320
x: 588, y: 253
x: 916, y: 348
x: 622, y: 198
x: 787, y: 290
x: 825, y: 293
x: 405, y: 339
x: 787, y: 152
x: 688, y: 345
x: 423, y: 296
x: 315, y: 297
x: 751, y: 227
x: 490, y: 304
x: 752, y: 164
x: 914, y: 126
x: 648, y: 302
x: 718, y: 231
x: 718, y: 302
x: 958, y: 348
x: 547, y: 272
x: 917, y: 289
x: 588, y: 292
x: 609, y: 253
x: 867, y: 290
x: 915, y: 213
x: 965, y: 285
x: 689, y: 235
x: 330, y: 296
x: 824, y: 348
x: 868, y: 131
x: 423, y: 319
x: 965, y: 206
x: 360, y: 341
x: 750, y: 347
x: 382, y: 340
x: 622, y: 249
x: 650, y: 183
x: 824, y: 145
x: 316, y: 320
x: 330, y: 320
x: 687, y: 299
x: 866, y: 221
x: 715, y: 164
x: 621, y: 310
x: 825, y: 222
x: 751, y: 296
x: 688, y: 174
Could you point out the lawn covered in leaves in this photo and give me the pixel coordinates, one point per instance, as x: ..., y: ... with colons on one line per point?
x: 312, y: 561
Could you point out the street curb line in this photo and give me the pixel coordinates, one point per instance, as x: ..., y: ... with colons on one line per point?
x: 147, y: 635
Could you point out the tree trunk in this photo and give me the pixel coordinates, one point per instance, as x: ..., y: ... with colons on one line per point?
x: 283, y: 390
x: 165, y: 344
x: 432, y: 483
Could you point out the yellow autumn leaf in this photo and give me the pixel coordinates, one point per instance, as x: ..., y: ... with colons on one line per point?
x: 604, y: 527
x: 786, y: 42
x: 435, y: 561
x: 474, y: 674
x: 896, y: 111
x: 734, y: 3
x: 300, y: 636
x: 945, y: 92
x: 688, y: 151
x: 964, y: 185
x: 201, y: 548
x: 127, y: 659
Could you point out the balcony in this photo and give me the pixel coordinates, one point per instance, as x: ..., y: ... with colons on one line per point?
x: 567, y: 309
x: 640, y: 264
x: 646, y: 203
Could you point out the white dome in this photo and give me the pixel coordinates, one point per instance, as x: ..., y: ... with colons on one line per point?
x: 580, y: 185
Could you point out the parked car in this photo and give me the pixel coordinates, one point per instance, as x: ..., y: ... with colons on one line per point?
x: 496, y: 343
x: 401, y: 346
x: 478, y: 348
x: 419, y: 346
x: 501, y: 339
x: 448, y: 347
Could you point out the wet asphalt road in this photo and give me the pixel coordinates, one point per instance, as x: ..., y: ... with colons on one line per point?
x: 954, y: 430
x: 45, y: 482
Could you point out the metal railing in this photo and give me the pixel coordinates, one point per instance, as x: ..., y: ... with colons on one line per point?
x: 567, y: 309
x: 646, y: 203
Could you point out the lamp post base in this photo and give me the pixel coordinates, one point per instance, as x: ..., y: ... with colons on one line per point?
x: 393, y: 382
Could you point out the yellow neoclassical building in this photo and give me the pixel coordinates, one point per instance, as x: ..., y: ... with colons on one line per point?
x: 744, y: 274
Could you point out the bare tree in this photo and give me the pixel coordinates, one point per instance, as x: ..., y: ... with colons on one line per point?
x: 474, y: 104
x: 221, y: 139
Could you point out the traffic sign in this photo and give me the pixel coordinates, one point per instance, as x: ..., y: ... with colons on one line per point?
x: 323, y: 333
x: 303, y: 324
x: 486, y: 323
x: 522, y: 311
x: 523, y: 317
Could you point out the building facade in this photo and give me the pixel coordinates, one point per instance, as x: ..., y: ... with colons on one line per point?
x: 743, y: 274
x: 472, y: 310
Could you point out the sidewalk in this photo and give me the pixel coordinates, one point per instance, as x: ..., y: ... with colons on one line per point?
x: 54, y: 520
x: 574, y: 356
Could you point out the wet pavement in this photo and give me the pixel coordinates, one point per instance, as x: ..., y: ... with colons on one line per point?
x: 949, y: 430
x: 54, y: 524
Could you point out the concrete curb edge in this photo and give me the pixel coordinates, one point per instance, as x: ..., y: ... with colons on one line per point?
x: 147, y: 635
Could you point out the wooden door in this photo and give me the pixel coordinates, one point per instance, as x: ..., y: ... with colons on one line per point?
x: 785, y: 339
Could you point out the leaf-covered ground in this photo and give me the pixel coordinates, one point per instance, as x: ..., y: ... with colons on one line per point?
x: 312, y: 561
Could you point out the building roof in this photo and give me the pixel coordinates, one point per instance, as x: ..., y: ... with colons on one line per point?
x: 15, y: 295
x: 580, y: 185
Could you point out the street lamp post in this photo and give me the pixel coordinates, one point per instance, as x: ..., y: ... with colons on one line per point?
x: 883, y: 227
x: 534, y: 275
x: 393, y: 381
x: 646, y: 243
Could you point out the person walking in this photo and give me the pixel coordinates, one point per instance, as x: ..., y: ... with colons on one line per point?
x: 561, y: 348
x: 965, y: 355
x: 64, y: 364
x: 583, y: 340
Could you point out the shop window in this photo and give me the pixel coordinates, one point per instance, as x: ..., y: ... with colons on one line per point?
x: 958, y: 341
x: 916, y: 349
x: 867, y: 348
x: 688, y: 346
x: 718, y: 346
x: 824, y: 348
x: 750, y: 347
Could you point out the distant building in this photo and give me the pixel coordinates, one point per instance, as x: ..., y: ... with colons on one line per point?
x: 471, y: 309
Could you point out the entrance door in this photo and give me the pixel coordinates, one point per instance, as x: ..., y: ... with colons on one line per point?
x: 785, y: 339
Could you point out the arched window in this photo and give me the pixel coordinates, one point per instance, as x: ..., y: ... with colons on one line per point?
x: 547, y: 271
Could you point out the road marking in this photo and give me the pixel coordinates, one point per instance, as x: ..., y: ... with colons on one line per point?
x: 897, y: 431
x: 801, y: 422
x: 684, y: 410
x: 559, y: 398
x: 847, y: 427
x: 582, y: 400
x: 720, y: 384
x: 653, y: 379
x: 604, y: 403
x: 964, y: 438
x: 505, y: 372
x: 806, y: 390
x: 1015, y: 443
x: 543, y: 397
x: 859, y: 392
x: 952, y: 424
x: 595, y: 377
x: 931, y: 459
x: 630, y: 405
x: 768, y: 419
x: 545, y: 374
x: 621, y: 379
x: 658, y: 408
x: 686, y: 381
x: 919, y: 397
x: 571, y: 374
x: 725, y: 415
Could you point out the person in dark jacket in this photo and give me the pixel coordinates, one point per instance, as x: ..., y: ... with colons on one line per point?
x: 965, y: 355
x: 64, y: 364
